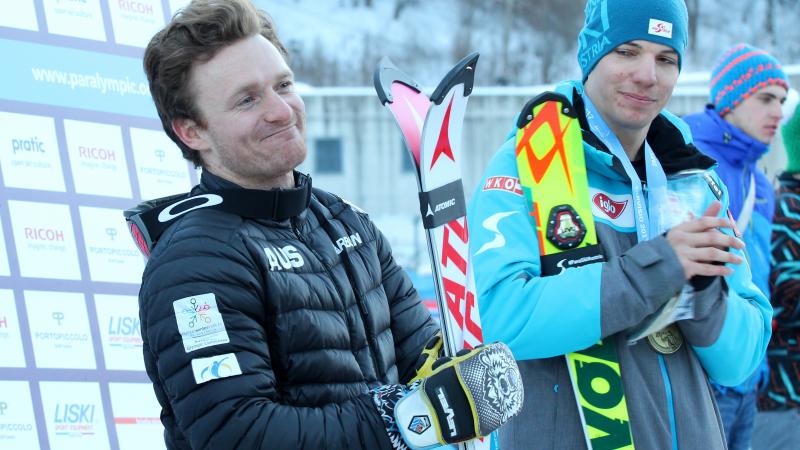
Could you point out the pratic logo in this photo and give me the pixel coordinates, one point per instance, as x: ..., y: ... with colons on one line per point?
x: 44, y: 234
x: 97, y: 153
x: 135, y: 7
x: 286, y: 257
x: 124, y: 332
x: 27, y: 145
x: 613, y: 209
x: 74, y: 419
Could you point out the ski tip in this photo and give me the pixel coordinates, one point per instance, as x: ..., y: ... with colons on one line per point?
x: 526, y: 115
x: 462, y: 72
x: 387, y: 73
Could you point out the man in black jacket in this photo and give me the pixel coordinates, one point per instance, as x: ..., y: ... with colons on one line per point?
x: 273, y: 315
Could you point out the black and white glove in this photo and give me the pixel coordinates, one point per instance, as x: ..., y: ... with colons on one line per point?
x: 465, y: 397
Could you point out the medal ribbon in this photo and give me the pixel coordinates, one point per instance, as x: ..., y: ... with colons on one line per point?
x: 648, y: 216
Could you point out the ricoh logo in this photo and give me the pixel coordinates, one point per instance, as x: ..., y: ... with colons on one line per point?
x: 96, y: 153
x: 612, y: 208
x: 44, y: 234
x: 76, y: 419
x: 30, y: 145
x: 284, y: 258
x: 343, y: 242
x: 124, y: 331
x: 135, y: 7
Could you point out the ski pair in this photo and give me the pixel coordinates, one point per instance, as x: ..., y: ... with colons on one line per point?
x: 552, y: 171
x: 431, y: 127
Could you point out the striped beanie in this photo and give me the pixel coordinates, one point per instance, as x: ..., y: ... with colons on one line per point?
x: 611, y: 23
x: 741, y: 72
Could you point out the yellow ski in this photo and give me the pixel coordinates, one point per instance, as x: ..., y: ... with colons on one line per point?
x: 550, y: 161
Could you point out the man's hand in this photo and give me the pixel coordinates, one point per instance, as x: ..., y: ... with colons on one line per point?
x: 702, y: 248
x: 465, y: 397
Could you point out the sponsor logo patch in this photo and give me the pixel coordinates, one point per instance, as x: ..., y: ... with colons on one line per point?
x: 508, y: 184
x: 419, y: 424
x: 492, y: 223
x: 660, y: 28
x: 612, y: 208
x: 214, y: 367
x: 200, y: 322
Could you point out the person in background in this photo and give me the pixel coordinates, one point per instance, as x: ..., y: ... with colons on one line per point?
x: 630, y: 53
x: 747, y: 88
x: 777, y: 423
x: 273, y: 315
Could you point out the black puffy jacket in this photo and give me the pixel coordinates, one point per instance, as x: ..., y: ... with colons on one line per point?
x: 313, y: 311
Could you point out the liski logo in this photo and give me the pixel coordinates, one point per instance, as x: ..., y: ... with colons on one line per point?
x: 124, y: 331
x: 285, y: 258
x: 75, y: 419
x: 612, y: 208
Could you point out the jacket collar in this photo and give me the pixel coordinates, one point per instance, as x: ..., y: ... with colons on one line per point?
x: 668, y: 136
x: 718, y: 133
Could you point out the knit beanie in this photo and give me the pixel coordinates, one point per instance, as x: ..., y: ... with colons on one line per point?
x: 791, y: 141
x: 739, y: 73
x: 611, y: 23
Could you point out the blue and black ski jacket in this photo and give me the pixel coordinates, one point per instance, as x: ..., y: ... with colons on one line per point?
x: 736, y: 154
x: 670, y: 403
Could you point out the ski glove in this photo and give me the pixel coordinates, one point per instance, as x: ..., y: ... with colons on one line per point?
x: 465, y: 397
x: 430, y: 354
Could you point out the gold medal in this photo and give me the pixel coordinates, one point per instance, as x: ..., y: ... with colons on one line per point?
x: 667, y: 340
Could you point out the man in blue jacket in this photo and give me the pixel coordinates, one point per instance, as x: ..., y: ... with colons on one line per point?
x: 630, y: 53
x: 747, y: 90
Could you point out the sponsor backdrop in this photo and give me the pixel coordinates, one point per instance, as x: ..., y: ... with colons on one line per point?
x: 79, y: 142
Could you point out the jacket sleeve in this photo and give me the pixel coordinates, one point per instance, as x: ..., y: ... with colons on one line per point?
x: 242, y: 411
x: 732, y: 324
x: 541, y: 317
x: 411, y: 323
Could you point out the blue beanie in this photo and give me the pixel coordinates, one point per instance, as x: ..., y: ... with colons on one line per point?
x: 611, y: 23
x: 740, y: 73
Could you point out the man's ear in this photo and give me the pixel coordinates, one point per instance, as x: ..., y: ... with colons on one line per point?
x: 190, y: 133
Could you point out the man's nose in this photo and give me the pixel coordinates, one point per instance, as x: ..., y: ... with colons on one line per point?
x: 645, y: 71
x: 276, y: 109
